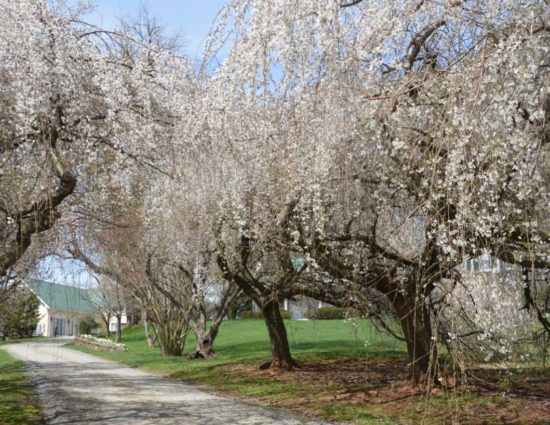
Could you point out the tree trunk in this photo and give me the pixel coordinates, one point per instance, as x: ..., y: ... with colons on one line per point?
x: 232, y: 312
x: 118, y: 333
x: 414, y: 319
x: 205, y: 337
x: 172, y: 336
x: 106, y: 322
x: 151, y: 339
x: 280, y: 348
x: 37, y: 218
x: 205, y: 344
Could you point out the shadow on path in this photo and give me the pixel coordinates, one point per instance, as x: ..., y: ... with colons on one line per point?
x: 76, y: 388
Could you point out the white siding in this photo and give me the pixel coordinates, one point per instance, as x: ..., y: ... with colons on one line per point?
x: 112, y: 322
x: 42, y: 328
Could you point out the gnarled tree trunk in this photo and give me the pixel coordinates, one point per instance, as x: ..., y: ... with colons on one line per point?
x: 206, y: 335
x: 151, y: 338
x: 205, y: 343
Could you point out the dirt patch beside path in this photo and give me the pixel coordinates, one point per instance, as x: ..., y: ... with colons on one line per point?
x: 483, y: 396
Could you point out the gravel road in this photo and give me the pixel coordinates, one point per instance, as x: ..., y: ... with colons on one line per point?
x: 77, y: 388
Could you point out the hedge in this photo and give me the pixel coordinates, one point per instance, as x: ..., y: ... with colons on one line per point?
x: 330, y: 313
x: 256, y: 314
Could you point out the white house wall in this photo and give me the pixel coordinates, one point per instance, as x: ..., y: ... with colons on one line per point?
x: 112, y: 322
x: 47, y: 322
x: 42, y: 327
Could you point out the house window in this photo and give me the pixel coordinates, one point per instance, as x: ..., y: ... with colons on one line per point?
x: 486, y: 263
x: 112, y: 326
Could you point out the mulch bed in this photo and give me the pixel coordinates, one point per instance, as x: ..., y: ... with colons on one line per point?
x: 486, y: 396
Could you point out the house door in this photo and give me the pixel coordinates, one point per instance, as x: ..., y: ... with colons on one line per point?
x: 59, y: 326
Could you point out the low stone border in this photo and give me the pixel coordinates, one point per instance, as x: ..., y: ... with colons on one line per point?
x: 98, y: 346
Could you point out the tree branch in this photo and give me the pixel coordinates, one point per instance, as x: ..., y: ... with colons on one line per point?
x: 351, y: 3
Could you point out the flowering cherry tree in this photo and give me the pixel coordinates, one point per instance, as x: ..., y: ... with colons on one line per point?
x: 355, y: 151
x: 406, y: 138
x: 75, y: 106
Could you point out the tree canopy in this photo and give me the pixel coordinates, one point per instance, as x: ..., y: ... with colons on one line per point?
x: 355, y: 152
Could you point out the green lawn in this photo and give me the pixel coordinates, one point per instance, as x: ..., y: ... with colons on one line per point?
x: 17, y: 401
x: 246, y: 341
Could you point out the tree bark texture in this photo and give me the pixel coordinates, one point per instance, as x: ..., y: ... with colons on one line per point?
x: 280, y: 348
x: 205, y: 343
x: 414, y: 318
x: 118, y: 333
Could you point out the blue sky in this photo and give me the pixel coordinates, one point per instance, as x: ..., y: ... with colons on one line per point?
x: 192, y: 18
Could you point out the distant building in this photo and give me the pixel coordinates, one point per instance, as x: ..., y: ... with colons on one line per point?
x: 485, y: 264
x: 298, y: 307
x: 113, y: 322
x: 61, y: 308
x: 301, y: 305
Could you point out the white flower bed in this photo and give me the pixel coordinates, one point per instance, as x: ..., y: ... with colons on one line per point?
x: 99, y: 343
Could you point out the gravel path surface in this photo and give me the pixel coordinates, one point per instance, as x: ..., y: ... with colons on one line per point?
x: 77, y: 388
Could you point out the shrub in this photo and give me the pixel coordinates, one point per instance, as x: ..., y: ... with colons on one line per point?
x: 258, y: 314
x: 22, y: 314
x: 87, y: 325
x: 251, y: 314
x: 172, y: 335
x: 330, y: 313
x: 237, y: 307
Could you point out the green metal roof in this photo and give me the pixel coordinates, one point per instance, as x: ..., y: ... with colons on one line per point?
x: 62, y: 297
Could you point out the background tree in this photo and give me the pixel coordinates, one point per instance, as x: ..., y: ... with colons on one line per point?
x: 111, y: 301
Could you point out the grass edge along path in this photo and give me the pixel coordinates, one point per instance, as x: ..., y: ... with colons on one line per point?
x: 18, y: 402
x: 350, y: 373
x: 22, y: 340
x: 244, y: 344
